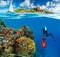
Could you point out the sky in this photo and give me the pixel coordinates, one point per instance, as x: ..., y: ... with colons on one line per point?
x: 51, y: 5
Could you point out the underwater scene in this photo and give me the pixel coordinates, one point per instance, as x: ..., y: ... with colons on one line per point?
x: 23, y: 37
x: 31, y: 30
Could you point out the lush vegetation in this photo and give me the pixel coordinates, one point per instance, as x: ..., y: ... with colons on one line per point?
x: 35, y: 10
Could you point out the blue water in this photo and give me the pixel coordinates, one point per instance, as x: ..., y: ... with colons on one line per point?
x: 36, y: 24
x: 12, y: 15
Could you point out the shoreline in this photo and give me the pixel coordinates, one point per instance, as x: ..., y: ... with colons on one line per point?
x: 31, y: 13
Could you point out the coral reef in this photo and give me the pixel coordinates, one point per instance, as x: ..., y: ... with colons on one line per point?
x: 16, y: 43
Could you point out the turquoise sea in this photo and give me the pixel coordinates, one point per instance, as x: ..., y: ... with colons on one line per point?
x: 36, y: 22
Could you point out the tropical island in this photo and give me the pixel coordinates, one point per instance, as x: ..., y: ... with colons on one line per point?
x: 31, y: 10
x: 34, y: 10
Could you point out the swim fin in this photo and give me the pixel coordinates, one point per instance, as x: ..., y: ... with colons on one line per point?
x: 43, y: 43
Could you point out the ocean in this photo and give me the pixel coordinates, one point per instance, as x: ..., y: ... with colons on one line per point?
x: 36, y: 24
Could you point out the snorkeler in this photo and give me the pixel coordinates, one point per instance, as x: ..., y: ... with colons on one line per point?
x: 46, y: 34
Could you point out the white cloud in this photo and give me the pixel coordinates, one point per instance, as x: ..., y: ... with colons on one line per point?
x: 52, y: 4
x: 22, y: 4
x: 32, y: 5
x: 48, y: 3
x: 43, y: 7
x: 26, y: 3
x: 3, y: 3
x: 56, y: 9
x: 48, y: 6
x: 58, y: 5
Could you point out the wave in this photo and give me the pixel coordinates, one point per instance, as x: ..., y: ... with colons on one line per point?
x: 54, y: 16
x: 20, y: 16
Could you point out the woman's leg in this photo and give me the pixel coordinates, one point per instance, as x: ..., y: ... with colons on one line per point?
x: 50, y: 35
